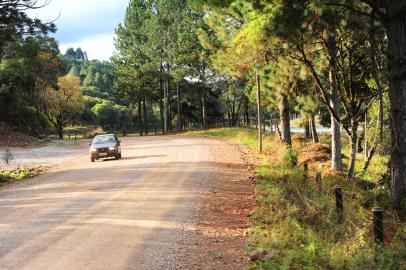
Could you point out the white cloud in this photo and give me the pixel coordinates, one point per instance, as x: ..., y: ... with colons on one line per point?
x: 89, y: 24
x: 100, y: 46
x: 76, y: 10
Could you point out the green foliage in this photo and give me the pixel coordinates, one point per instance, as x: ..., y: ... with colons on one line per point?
x: 18, y: 174
x: 294, y: 46
x: 290, y: 158
x: 29, y: 66
x: 15, y: 22
x: 158, y: 53
x: 105, y: 113
x: 93, y: 73
x: 97, y: 83
x: 65, y: 105
x: 218, y: 255
x: 112, y: 116
x: 92, y: 91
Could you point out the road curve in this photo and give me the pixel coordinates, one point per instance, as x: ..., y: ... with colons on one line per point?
x: 126, y: 214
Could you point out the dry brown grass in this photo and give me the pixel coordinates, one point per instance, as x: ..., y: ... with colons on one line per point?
x: 315, y: 153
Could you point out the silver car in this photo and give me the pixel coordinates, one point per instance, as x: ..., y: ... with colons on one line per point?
x: 105, y: 146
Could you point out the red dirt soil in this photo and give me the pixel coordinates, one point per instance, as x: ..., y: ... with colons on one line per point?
x: 220, y: 238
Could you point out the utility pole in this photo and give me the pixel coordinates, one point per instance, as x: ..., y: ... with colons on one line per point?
x: 259, y: 114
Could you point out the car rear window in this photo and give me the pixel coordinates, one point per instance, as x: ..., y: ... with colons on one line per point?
x: 104, y: 139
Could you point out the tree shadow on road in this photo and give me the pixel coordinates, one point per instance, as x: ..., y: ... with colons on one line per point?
x: 142, y: 157
x: 131, y: 158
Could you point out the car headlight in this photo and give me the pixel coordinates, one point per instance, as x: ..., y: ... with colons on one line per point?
x: 112, y: 148
x: 93, y: 150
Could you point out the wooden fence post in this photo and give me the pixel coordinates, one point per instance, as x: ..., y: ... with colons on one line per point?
x: 378, y: 225
x: 339, y: 203
x: 305, y: 171
x: 318, y: 181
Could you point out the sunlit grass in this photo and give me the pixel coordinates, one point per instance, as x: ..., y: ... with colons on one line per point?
x: 236, y: 135
x: 73, y: 137
x: 296, y: 219
x: 7, y: 176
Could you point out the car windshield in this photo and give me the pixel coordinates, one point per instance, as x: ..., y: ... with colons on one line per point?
x: 104, y: 139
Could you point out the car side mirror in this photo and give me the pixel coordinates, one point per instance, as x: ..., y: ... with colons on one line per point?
x: 119, y: 142
x: 90, y: 144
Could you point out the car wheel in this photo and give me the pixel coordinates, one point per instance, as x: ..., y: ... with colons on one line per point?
x: 92, y: 159
x: 119, y: 155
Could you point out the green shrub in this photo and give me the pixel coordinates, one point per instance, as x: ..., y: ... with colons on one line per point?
x: 290, y: 158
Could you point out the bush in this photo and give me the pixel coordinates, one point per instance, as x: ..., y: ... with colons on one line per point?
x: 109, y: 114
x: 18, y: 174
x: 290, y: 158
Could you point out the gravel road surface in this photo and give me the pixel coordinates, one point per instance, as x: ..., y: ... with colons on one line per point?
x: 48, y: 155
x: 132, y: 213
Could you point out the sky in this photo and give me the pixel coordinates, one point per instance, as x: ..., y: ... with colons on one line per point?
x: 89, y: 24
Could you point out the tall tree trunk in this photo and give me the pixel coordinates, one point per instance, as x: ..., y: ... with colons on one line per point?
x: 230, y: 121
x: 204, y: 96
x: 204, y: 109
x: 140, y: 122
x: 59, y: 129
x: 259, y: 112
x: 179, y: 121
x: 144, y: 108
x: 161, y: 104
x: 380, y: 116
x: 247, y: 114
x: 315, y: 137
x: 396, y: 24
x: 336, y: 158
x: 307, y: 128
x: 353, y: 140
x: 168, y: 100
x: 169, y: 105
x: 378, y: 137
x: 366, y: 147
x: 234, y: 118
x: 375, y: 71
x: 285, y: 120
x: 165, y: 112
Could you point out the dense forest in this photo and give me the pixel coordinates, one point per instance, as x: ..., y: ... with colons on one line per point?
x: 319, y: 60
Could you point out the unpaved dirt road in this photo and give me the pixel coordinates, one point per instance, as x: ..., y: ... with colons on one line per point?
x: 48, y: 155
x: 140, y: 212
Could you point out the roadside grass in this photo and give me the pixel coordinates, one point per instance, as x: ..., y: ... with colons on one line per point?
x: 73, y: 137
x: 236, y: 135
x: 18, y: 174
x: 296, y: 221
x: 218, y: 255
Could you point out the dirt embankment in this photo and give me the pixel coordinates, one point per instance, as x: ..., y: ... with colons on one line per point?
x: 10, y: 137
